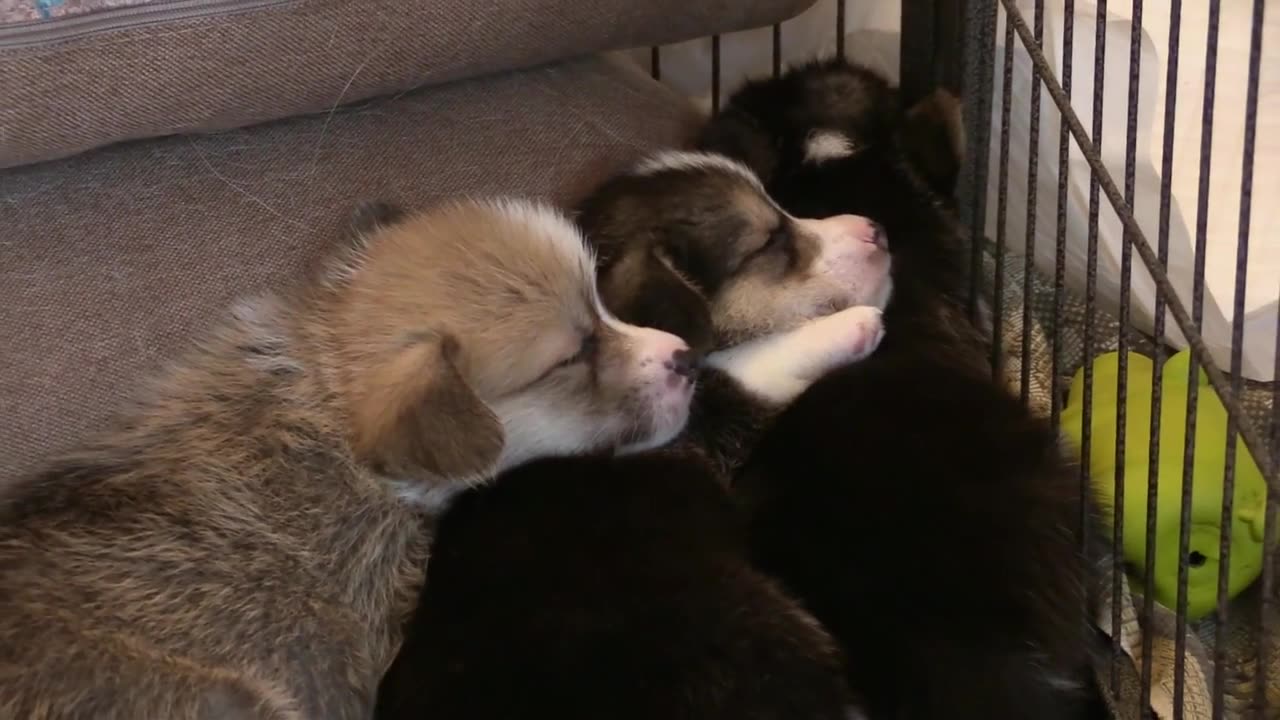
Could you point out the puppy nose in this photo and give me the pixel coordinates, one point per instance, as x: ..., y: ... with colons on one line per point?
x: 848, y: 228
x: 683, y: 363
x: 877, y: 236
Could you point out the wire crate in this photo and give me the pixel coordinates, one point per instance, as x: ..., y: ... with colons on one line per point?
x: 1099, y: 273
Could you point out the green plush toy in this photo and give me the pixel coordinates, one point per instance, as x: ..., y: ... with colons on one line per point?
x: 1249, y: 510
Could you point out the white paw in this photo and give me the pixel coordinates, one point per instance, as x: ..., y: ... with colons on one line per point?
x: 835, y: 340
x: 779, y: 367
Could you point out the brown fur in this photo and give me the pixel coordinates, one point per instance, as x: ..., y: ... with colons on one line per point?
x: 235, y: 547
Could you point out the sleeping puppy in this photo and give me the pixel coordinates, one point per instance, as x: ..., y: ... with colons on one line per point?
x: 924, y: 516
x: 691, y: 243
x: 621, y: 588
x: 246, y: 542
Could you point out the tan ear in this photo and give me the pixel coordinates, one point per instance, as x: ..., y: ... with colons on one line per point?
x: 415, y: 412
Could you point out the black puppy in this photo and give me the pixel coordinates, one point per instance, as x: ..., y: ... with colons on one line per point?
x: 923, y: 515
x: 630, y: 598
x: 622, y: 587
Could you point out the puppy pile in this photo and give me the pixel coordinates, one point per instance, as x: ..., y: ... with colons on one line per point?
x: 664, y: 458
x: 623, y: 588
x: 927, y: 520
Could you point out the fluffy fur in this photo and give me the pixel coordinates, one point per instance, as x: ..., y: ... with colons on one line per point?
x: 915, y: 507
x: 239, y: 545
x: 622, y: 588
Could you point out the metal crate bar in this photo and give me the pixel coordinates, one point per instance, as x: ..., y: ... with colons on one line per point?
x: 841, y: 27
x: 1157, y: 398
x: 1090, y: 322
x: 1060, y: 235
x: 932, y: 38
x: 1125, y: 310
x: 1033, y: 171
x: 1237, y: 348
x: 1271, y: 532
x: 715, y: 74
x: 979, y: 57
x: 1002, y: 205
x: 777, y: 50
x: 1193, y: 387
x: 917, y: 45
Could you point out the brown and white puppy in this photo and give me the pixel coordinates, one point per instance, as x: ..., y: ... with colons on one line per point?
x: 239, y: 545
x: 621, y: 588
x: 691, y: 243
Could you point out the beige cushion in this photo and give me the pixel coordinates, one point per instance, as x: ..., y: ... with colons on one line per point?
x: 111, y: 260
x: 76, y: 82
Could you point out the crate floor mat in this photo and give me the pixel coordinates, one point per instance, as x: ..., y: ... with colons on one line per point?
x: 1239, y: 634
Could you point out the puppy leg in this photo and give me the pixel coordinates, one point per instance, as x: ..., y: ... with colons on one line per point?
x: 779, y: 367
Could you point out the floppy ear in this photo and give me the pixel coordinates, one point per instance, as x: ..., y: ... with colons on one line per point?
x: 644, y: 290
x: 738, y: 135
x: 415, y: 412
x: 932, y: 137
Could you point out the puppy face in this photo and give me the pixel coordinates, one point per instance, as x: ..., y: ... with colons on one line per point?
x: 691, y: 243
x: 471, y: 338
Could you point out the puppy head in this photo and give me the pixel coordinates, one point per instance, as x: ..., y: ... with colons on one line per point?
x: 471, y: 338
x: 832, y: 111
x: 692, y: 244
x: 832, y: 138
x: 817, y: 113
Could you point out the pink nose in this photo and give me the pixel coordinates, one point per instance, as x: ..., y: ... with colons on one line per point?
x: 847, y: 227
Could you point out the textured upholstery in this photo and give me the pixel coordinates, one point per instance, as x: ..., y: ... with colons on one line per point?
x: 80, y: 81
x: 111, y: 260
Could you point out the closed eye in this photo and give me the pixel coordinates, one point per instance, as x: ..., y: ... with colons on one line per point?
x: 586, y: 351
x: 778, y: 237
x: 780, y: 241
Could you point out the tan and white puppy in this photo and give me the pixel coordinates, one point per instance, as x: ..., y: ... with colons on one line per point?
x: 247, y: 540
